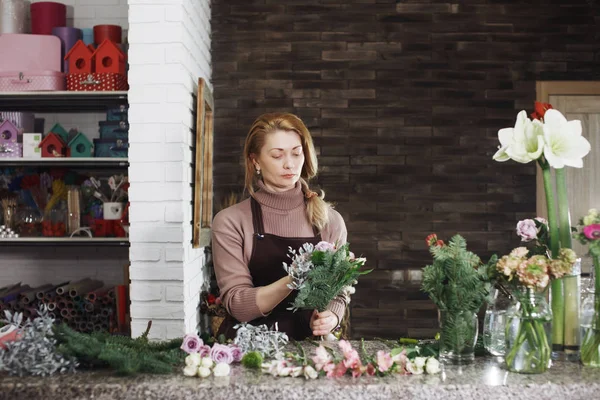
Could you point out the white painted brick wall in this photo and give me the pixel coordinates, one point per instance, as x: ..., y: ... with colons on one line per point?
x: 169, y: 49
x: 40, y: 265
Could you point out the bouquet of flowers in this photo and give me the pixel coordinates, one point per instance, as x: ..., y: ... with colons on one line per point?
x: 321, y: 272
x: 553, y: 142
x: 203, y: 360
x: 589, y: 234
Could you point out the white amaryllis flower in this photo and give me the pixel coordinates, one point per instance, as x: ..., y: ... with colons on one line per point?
x: 523, y: 143
x: 564, y: 144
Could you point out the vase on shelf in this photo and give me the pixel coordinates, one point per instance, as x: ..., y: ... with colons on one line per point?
x: 529, y: 333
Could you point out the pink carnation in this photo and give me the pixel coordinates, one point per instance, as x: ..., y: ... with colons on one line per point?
x: 384, y: 361
x: 533, y: 272
x: 321, y: 358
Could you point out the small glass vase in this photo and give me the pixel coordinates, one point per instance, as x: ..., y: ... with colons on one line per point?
x: 458, y: 335
x: 590, y: 345
x: 529, y: 333
x: 494, y: 323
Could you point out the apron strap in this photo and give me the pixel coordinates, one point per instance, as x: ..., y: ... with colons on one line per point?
x: 257, y: 220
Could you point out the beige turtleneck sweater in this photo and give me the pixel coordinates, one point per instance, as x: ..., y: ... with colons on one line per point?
x: 284, y: 214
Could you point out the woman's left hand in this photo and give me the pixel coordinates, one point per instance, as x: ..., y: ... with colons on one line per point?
x: 323, y: 323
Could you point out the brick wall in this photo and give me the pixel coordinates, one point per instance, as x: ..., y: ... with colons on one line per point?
x: 169, y: 50
x: 404, y: 99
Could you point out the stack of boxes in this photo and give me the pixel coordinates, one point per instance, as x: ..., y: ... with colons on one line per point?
x: 114, y: 134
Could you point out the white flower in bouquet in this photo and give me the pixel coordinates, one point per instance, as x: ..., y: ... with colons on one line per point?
x: 564, y: 144
x: 190, y: 370
x: 193, y: 360
x: 207, y: 362
x: 432, y: 366
x: 310, y: 372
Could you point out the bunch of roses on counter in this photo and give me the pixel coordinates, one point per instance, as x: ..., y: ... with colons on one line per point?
x: 204, y: 360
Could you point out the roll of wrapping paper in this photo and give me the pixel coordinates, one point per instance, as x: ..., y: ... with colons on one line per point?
x: 46, y: 15
x: 13, y: 16
x: 87, y: 35
x: 84, y: 287
x: 73, y: 209
x: 68, y: 37
x: 29, y: 296
x: 121, y: 300
x: 42, y: 294
x: 110, y: 32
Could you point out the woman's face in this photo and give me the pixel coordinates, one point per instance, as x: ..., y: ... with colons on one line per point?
x: 280, y: 160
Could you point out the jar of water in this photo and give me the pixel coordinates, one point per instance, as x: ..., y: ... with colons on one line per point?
x: 495, y: 320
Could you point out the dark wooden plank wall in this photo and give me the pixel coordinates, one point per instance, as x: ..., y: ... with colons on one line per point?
x: 404, y: 100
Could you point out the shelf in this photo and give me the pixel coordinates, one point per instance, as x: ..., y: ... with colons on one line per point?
x: 64, y: 241
x: 61, y: 101
x: 93, y: 162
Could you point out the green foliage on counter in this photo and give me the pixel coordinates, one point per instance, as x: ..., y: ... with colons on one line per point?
x: 126, y: 356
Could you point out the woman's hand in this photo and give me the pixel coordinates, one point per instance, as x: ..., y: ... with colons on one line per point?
x: 323, y: 323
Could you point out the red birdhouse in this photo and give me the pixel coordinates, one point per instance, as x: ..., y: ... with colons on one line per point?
x: 53, y: 146
x: 81, y: 58
x: 109, y: 58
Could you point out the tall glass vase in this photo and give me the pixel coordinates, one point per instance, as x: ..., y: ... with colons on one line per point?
x: 529, y: 333
x: 494, y: 323
x: 590, y: 346
x: 458, y: 335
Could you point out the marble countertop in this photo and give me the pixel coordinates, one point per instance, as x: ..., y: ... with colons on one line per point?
x: 486, y: 378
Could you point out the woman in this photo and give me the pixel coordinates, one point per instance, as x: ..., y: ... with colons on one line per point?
x: 251, y: 240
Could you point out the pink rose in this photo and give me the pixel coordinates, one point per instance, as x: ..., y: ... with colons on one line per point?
x: 527, y: 230
x: 204, y: 350
x: 592, y: 232
x: 384, y: 361
x: 236, y: 352
x: 221, y: 353
x: 191, y: 343
x: 324, y: 246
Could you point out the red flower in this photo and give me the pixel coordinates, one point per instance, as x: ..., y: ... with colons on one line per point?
x: 440, y: 243
x: 540, y: 110
x: 431, y: 239
x: 211, y: 298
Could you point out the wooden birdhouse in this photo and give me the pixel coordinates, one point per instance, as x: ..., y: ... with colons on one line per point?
x: 58, y: 129
x: 80, y: 146
x: 8, y: 132
x: 53, y: 146
x: 80, y: 58
x: 109, y: 58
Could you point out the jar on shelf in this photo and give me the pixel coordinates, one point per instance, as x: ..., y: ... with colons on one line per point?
x: 29, y: 222
x: 55, y: 223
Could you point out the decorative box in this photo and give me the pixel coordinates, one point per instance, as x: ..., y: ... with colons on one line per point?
x: 31, y: 145
x: 107, y: 127
x: 117, y: 114
x: 115, y: 135
x: 11, y: 150
x: 31, y: 81
x: 111, y: 148
x: 96, y: 82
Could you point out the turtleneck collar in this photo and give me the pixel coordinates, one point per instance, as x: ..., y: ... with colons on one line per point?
x: 287, y: 200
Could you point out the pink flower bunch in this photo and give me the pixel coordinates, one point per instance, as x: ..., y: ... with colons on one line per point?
x: 219, y: 353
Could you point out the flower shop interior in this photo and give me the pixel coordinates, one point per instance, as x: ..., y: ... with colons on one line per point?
x: 123, y: 130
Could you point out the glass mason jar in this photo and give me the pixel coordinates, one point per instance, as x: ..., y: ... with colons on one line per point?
x: 529, y: 333
x: 458, y: 335
x: 494, y: 323
x: 590, y: 321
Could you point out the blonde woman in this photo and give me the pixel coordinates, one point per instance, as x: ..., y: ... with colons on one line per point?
x: 250, y: 240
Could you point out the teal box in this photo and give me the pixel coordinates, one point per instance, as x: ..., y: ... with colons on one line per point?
x: 109, y: 126
x: 117, y: 114
x: 117, y: 134
x: 111, y: 148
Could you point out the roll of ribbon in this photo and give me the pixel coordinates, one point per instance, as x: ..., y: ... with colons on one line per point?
x: 46, y: 15
x: 13, y: 16
x: 88, y: 36
x: 68, y: 37
x: 110, y: 32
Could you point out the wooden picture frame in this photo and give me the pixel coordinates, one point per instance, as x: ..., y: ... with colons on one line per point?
x: 203, y: 170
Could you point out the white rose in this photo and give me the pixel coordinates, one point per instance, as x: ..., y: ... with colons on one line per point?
x: 190, y: 370
x: 296, y: 372
x: 413, y: 369
x: 310, y: 372
x: 193, y: 360
x: 221, y: 369
x: 207, y: 362
x: 433, y: 366
x: 420, y: 362
x: 203, y: 372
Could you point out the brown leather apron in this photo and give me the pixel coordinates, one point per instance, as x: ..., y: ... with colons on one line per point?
x: 269, y: 252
